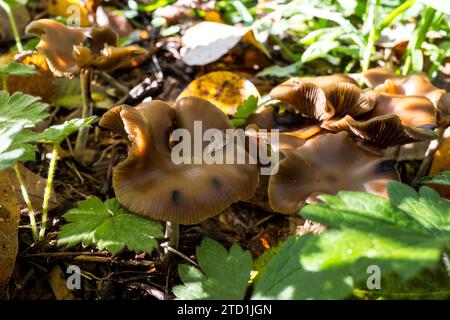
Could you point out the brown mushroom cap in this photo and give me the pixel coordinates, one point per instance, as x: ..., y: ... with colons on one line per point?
x: 149, y: 183
x: 306, y: 98
x: 385, y: 131
x: 57, y: 41
x: 328, y: 164
x: 414, y: 85
x: 414, y: 111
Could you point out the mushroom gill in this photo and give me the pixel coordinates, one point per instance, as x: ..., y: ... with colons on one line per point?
x: 151, y: 184
x: 328, y: 164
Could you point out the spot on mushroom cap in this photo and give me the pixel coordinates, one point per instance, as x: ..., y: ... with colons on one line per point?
x: 57, y: 41
x: 150, y: 184
x: 328, y: 164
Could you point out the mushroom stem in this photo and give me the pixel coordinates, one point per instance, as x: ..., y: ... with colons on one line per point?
x: 173, y: 234
x: 85, y: 82
x: 429, y: 156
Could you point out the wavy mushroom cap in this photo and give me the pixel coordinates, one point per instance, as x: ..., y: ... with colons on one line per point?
x: 68, y: 49
x: 56, y: 43
x: 414, y: 85
x: 323, y: 97
x: 327, y: 165
x: 383, y: 131
x: 149, y: 183
x: 413, y: 111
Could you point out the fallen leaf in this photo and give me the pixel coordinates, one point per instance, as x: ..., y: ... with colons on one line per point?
x: 27, y: 84
x: 441, y: 162
x: 69, y: 8
x: 225, y: 89
x: 58, y: 283
x: 9, y: 226
x: 207, y: 41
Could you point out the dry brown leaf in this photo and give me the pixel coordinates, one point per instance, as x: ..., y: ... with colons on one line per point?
x: 67, y: 9
x: 58, y: 283
x: 207, y: 41
x: 441, y: 162
x: 9, y: 225
x: 223, y: 88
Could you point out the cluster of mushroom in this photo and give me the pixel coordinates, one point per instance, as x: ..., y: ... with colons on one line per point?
x: 332, y: 137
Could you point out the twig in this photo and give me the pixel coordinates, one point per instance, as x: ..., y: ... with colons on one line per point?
x: 116, y: 84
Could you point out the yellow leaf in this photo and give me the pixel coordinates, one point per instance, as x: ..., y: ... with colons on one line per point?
x: 223, y: 88
x: 441, y: 162
x: 68, y: 9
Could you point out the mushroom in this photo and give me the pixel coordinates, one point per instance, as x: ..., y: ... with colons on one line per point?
x: 322, y: 165
x: 150, y: 184
x: 415, y: 85
x: 73, y: 50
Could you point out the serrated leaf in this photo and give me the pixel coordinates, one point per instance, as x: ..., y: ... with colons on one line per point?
x: 441, y: 178
x: 110, y: 226
x: 17, y: 69
x: 247, y: 107
x: 403, y: 235
x: 57, y: 133
x: 18, y: 112
x: 224, y: 275
x: 21, y: 107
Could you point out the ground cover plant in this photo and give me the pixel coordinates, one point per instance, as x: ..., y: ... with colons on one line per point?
x: 116, y: 123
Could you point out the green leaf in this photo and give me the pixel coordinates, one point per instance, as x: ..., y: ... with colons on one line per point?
x: 224, y: 275
x: 280, y: 72
x: 17, y: 69
x: 441, y: 178
x: 403, y: 235
x: 110, y: 226
x: 57, y: 133
x: 19, y: 106
x: 17, y: 113
x: 247, y: 107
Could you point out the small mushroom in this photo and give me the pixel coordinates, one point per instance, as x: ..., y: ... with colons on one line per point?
x: 413, y: 111
x: 149, y: 183
x: 415, y: 85
x: 72, y: 50
x: 328, y: 164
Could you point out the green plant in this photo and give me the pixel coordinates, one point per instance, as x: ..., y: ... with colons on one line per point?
x: 225, y: 274
x: 110, y: 226
x: 441, y: 178
x: 18, y: 113
x: 55, y: 135
x: 244, y: 110
x: 402, y: 235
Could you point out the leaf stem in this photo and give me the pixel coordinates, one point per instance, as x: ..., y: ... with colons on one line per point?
x: 48, y: 190
x: 418, y: 38
x: 5, y: 82
x: 12, y: 22
x: 372, y: 13
x: 85, y: 82
x: 26, y: 198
